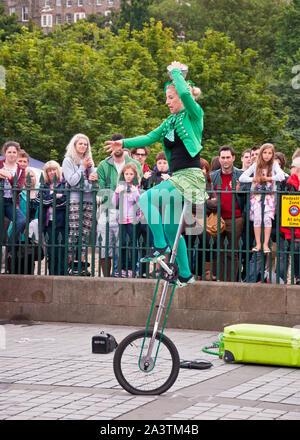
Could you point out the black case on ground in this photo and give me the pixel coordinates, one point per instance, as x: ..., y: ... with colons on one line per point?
x: 103, y: 343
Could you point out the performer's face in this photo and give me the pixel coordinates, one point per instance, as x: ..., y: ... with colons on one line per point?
x: 173, y: 101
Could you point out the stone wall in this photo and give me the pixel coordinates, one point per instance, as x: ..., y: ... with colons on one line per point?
x: 202, y: 306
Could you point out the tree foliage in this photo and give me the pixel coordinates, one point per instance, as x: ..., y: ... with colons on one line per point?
x: 8, y: 24
x: 82, y: 79
x: 286, y: 63
x: 250, y: 23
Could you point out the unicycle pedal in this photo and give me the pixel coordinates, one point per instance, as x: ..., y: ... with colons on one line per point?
x: 173, y: 274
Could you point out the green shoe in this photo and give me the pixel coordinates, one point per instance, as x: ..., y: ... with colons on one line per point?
x: 156, y: 254
x: 183, y: 282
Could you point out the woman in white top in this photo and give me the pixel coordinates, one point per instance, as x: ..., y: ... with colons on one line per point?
x: 264, y: 170
x: 78, y: 163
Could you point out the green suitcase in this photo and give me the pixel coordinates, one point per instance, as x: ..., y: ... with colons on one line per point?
x: 262, y: 344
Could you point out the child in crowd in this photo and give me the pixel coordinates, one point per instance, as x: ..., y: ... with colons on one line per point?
x: 160, y: 173
x: 264, y: 170
x: 126, y: 198
x: 52, y: 201
x: 23, y: 159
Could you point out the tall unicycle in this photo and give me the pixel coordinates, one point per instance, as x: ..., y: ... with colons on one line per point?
x: 147, y: 362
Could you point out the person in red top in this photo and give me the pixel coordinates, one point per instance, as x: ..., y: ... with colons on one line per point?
x: 287, y: 243
x: 226, y: 175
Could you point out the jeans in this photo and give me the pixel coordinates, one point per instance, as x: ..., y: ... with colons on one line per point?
x: 257, y: 267
x: 20, y: 221
x: 129, y: 248
x: 284, y: 247
x: 231, y: 257
x: 56, y: 249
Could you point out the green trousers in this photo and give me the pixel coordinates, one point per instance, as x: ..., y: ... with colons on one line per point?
x: 162, y: 206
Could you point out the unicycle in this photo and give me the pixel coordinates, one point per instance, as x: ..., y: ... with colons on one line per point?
x: 147, y: 362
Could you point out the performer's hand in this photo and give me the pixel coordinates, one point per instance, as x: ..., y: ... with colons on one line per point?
x: 165, y: 176
x: 113, y: 145
x: 175, y: 65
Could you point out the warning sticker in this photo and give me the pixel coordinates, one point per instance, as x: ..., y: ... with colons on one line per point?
x: 290, y: 211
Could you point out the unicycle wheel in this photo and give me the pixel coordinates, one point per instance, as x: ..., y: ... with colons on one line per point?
x: 132, y: 375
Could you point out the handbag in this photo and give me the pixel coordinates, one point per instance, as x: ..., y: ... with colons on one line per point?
x: 212, y: 224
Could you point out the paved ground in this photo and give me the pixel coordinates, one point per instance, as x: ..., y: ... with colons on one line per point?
x: 48, y: 372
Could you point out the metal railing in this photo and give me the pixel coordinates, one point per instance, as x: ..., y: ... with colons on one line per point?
x: 227, y: 257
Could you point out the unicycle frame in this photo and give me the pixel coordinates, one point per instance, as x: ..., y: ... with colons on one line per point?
x: 147, y: 362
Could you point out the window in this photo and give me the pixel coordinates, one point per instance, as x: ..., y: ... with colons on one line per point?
x: 99, y: 2
x: 12, y: 11
x: 69, y: 3
x: 80, y: 2
x: 68, y: 18
x: 25, y: 15
x: 58, y: 2
x: 79, y: 16
x: 46, y: 20
x: 110, y: 2
x: 58, y: 19
x: 47, y: 4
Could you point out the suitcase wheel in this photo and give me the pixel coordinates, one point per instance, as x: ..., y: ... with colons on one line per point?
x: 228, y: 356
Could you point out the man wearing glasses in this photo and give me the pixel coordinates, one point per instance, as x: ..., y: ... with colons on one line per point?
x: 140, y: 154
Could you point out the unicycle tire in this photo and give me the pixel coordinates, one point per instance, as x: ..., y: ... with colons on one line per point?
x: 134, y: 379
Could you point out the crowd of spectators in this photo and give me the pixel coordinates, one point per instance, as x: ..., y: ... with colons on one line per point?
x: 53, y: 218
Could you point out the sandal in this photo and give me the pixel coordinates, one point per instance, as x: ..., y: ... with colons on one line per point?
x: 255, y: 249
x: 266, y: 251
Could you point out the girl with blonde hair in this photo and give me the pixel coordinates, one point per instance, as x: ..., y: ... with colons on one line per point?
x: 126, y: 198
x: 53, y: 198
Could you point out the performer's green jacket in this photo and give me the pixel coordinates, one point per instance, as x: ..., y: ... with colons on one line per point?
x: 188, y: 124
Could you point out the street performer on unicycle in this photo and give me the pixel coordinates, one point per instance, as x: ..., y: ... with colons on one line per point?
x: 180, y: 135
x: 164, y: 207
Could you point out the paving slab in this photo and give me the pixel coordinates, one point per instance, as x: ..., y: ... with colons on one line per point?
x: 48, y: 372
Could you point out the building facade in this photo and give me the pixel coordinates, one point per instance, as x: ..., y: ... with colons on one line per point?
x: 50, y: 13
